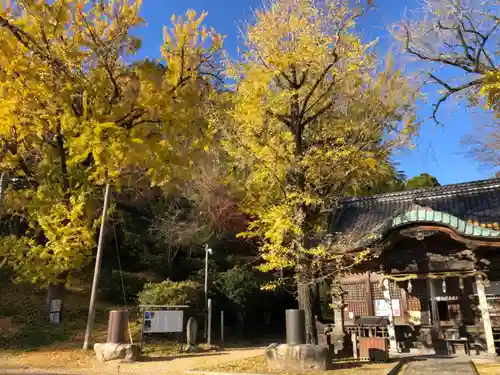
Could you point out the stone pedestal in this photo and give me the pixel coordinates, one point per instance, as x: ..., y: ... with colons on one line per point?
x: 338, y: 343
x: 304, y: 357
x: 111, y: 351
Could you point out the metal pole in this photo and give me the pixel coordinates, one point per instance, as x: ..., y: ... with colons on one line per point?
x: 295, y: 323
x: 97, y: 271
x: 206, y: 277
x: 209, y: 321
x: 222, y: 328
x: 206, y: 292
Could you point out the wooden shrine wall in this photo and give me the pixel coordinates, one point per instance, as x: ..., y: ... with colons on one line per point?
x: 456, y: 307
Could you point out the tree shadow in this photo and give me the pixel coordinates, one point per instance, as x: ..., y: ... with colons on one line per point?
x: 180, y: 356
x: 253, y: 344
x: 31, y: 339
x: 346, y: 365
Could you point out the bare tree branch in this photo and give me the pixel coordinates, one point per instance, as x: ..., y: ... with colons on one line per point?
x: 457, y: 35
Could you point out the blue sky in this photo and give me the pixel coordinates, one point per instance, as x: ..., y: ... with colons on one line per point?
x: 439, y: 150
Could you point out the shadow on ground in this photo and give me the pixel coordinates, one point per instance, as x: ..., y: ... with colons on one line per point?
x: 180, y: 356
x: 5, y: 371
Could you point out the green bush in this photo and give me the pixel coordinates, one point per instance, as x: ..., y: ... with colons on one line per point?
x: 172, y: 293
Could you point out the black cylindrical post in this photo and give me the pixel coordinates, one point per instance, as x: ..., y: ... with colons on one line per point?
x: 117, y: 326
x: 295, y: 327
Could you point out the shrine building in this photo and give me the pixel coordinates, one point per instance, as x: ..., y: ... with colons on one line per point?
x: 436, y: 273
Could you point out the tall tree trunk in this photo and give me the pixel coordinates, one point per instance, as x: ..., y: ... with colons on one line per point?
x: 304, y: 287
x: 304, y: 291
x: 306, y: 304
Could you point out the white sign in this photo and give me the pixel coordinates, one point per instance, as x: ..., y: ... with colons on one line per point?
x: 163, y: 321
x: 396, y: 309
x: 54, y: 317
x: 55, y: 305
x: 382, y: 307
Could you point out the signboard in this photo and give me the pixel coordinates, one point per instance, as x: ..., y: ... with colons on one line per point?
x: 396, y: 309
x: 163, y: 321
x: 54, y: 318
x: 415, y: 317
x: 55, y: 311
x: 55, y: 305
x: 382, y: 307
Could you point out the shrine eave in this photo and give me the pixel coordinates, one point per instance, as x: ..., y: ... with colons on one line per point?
x: 468, y: 212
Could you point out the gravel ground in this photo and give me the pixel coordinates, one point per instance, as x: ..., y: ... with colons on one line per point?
x: 156, y: 366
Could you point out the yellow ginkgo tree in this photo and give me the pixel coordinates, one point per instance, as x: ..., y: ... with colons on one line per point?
x: 76, y: 112
x: 313, y: 117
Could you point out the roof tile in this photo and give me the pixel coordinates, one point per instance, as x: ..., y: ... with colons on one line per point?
x: 476, y: 202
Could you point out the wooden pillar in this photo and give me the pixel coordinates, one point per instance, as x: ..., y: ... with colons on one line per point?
x: 404, y: 305
x: 436, y: 325
x: 371, y: 310
x: 485, y: 314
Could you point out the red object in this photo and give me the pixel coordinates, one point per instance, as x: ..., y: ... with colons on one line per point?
x: 374, y: 348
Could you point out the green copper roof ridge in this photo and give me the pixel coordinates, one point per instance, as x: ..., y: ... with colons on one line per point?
x: 437, y: 217
x: 467, y: 186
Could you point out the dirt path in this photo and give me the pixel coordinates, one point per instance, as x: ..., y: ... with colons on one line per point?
x: 157, y: 366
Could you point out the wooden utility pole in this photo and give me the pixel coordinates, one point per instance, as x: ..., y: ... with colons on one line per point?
x: 97, y: 271
x: 3, y: 186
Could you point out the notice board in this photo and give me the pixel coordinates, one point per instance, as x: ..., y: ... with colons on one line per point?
x: 162, y: 321
x: 382, y: 307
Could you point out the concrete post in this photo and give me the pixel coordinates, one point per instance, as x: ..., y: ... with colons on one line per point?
x: 485, y: 314
x: 209, y: 327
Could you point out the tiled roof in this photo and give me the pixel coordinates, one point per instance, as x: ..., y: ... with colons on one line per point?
x: 472, y: 208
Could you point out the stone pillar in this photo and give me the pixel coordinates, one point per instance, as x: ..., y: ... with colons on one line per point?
x: 338, y: 314
x: 337, y: 337
x: 354, y: 339
x: 391, y: 329
x: 485, y: 314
